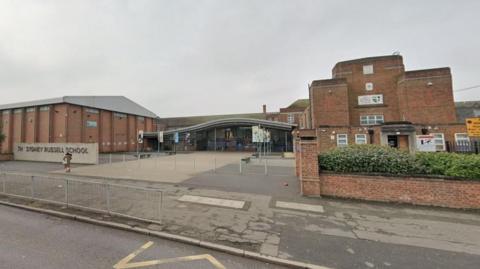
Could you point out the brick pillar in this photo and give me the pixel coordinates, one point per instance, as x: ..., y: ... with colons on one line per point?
x: 309, y: 169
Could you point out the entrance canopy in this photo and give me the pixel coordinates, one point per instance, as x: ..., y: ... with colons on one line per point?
x: 227, y: 123
x: 233, y: 134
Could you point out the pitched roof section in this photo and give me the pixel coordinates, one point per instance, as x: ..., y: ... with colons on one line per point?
x: 466, y: 110
x: 300, y: 103
x: 112, y: 103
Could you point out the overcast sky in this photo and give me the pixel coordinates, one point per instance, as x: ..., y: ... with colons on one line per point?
x: 181, y: 58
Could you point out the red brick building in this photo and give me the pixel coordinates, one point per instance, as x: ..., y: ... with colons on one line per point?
x: 374, y: 100
x: 111, y: 121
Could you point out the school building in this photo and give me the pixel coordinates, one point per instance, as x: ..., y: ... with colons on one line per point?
x: 111, y: 121
x: 376, y: 101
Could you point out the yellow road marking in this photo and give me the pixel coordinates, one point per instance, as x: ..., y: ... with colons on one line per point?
x: 129, y: 257
x: 124, y: 263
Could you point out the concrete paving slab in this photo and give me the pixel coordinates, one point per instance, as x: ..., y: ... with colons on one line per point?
x: 299, y: 206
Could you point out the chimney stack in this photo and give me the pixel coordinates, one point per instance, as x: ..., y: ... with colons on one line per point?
x: 264, y: 109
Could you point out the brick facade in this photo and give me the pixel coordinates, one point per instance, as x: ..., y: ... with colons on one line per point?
x: 68, y: 123
x: 419, y: 96
x: 373, y: 98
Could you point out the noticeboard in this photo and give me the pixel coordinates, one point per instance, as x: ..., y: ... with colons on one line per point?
x: 426, y: 143
x: 473, y: 127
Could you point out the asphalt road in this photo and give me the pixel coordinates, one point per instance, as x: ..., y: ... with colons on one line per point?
x: 33, y: 240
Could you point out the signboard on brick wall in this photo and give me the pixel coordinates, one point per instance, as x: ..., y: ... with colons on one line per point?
x: 426, y: 143
x: 84, y: 153
x: 473, y: 127
x: 373, y: 99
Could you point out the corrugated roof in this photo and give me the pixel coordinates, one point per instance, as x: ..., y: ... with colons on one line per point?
x: 112, y: 103
x: 229, y: 122
x: 180, y: 122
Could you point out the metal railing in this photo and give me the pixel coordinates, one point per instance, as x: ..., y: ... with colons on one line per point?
x: 115, y: 199
x: 470, y: 146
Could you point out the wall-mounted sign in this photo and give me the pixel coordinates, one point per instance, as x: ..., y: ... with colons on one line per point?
x: 140, y: 137
x: 426, y: 143
x: 160, y: 137
x: 91, y: 124
x: 176, y: 137
x: 473, y: 126
x: 86, y: 153
x: 373, y: 99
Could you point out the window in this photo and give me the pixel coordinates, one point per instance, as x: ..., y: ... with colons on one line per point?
x: 342, y: 140
x: 368, y: 69
x: 371, y: 119
x: 290, y: 118
x: 439, y: 141
x: 120, y: 115
x: 461, y: 138
x: 369, y: 86
x: 476, y: 112
x: 360, y: 139
x: 30, y: 109
x: 44, y: 108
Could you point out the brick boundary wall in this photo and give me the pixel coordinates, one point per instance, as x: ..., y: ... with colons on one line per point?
x: 412, y: 190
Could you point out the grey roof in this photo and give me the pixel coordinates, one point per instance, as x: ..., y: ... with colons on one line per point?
x: 112, y: 103
x: 467, y: 109
x: 229, y: 122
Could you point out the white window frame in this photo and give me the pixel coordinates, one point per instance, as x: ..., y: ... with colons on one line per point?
x: 439, y: 141
x: 364, y: 139
x: 368, y: 69
x: 371, y: 119
x: 290, y: 118
x: 464, y: 138
x: 369, y: 86
x: 342, y: 140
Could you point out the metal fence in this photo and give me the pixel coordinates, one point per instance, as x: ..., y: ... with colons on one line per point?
x: 114, y: 199
x: 125, y: 157
x: 472, y: 147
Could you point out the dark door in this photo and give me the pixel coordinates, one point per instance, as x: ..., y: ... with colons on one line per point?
x: 393, y: 141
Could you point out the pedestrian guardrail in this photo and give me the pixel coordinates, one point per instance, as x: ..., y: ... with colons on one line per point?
x: 115, y: 199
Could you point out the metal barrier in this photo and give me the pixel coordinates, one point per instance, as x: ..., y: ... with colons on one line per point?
x: 114, y: 199
x: 254, y: 166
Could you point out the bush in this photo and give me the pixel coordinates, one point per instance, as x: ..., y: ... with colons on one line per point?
x: 382, y: 159
x: 451, y: 164
x: 370, y: 159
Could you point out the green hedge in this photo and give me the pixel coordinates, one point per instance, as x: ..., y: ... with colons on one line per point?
x: 451, y: 164
x: 382, y: 159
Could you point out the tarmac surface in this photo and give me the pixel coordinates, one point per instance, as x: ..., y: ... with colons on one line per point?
x: 33, y: 240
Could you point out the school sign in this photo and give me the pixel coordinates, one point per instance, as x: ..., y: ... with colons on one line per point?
x: 84, y: 153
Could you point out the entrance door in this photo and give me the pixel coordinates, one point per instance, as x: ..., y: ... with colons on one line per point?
x: 393, y: 141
